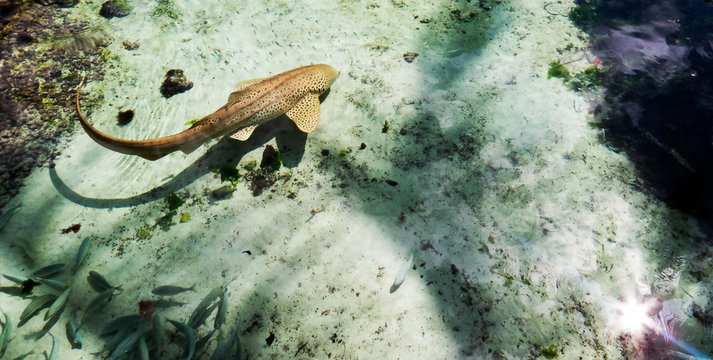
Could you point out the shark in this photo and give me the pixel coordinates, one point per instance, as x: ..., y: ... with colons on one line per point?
x: 294, y: 93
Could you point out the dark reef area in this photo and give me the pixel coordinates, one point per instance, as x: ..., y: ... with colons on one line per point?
x: 658, y: 104
x: 42, y: 56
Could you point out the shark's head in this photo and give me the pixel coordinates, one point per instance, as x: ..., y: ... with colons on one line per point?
x: 326, y: 75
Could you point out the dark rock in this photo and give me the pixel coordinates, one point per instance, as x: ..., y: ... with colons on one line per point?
x: 410, y: 56
x: 125, y: 117
x: 129, y: 45
x: 9, y: 7
x: 115, y: 8
x: 268, y: 156
x: 259, y: 183
x: 175, y: 83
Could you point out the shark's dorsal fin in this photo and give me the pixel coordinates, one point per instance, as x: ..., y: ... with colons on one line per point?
x: 233, y: 97
x: 245, y: 83
x: 305, y: 113
x: 244, y: 133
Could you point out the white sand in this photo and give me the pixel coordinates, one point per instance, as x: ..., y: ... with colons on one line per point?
x: 524, y: 228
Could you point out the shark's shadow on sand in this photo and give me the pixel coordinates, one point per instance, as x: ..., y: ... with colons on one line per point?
x: 227, y: 152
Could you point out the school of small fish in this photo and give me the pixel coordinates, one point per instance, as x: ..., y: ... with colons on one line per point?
x: 140, y: 335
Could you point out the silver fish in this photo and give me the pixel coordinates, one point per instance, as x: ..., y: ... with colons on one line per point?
x: 48, y: 271
x: 200, y: 310
x: 102, y: 299
x: 189, y: 334
x: 120, y: 323
x: 82, y: 252
x: 73, y: 334
x: 157, y: 330
x: 222, y: 310
x: 33, y: 308
x: 25, y: 355
x: 56, y: 284
x: 58, y: 305
x: 8, y: 214
x: 99, y: 283
x: 54, y: 353
x: 6, y: 334
x: 128, y: 343
x: 120, y: 336
x: 143, y: 349
x: 15, y: 279
x: 170, y: 290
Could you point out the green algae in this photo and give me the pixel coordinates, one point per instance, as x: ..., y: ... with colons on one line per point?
x: 558, y: 70
x: 173, y: 201
x: 144, y: 234
x: 228, y: 173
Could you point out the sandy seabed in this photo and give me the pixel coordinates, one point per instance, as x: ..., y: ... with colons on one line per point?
x: 516, y: 228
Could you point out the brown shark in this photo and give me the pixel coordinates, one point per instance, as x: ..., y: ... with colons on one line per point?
x: 294, y: 93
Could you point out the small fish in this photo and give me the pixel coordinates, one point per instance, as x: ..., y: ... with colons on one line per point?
x: 143, y: 349
x: 8, y: 214
x: 56, y: 284
x: 204, y: 340
x: 189, y: 334
x: 48, y: 325
x: 54, y: 353
x: 99, y: 283
x: 164, y: 303
x: 234, y: 340
x: 73, y: 334
x: 15, y: 279
x: 25, y: 355
x: 401, y: 276
x: 120, y: 323
x: 101, y: 299
x: 220, y: 350
x: 128, y: 343
x: 200, y: 310
x: 157, y: 330
x: 5, y: 335
x: 82, y: 252
x: 47, y: 271
x: 170, y: 290
x: 58, y: 305
x: 204, y: 315
x: 222, y: 310
x: 118, y: 337
x: 33, y: 308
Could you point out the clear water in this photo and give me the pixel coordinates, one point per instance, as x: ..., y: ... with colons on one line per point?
x: 458, y: 205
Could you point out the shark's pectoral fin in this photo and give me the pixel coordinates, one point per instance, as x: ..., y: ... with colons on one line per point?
x: 151, y: 157
x: 244, y: 133
x: 305, y: 113
x: 188, y: 148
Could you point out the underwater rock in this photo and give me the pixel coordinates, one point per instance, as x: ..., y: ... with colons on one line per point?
x: 130, y: 45
x: 74, y: 228
x: 410, y: 56
x: 271, y: 158
x: 259, y: 183
x: 222, y: 192
x: 175, y: 83
x: 125, y: 117
x: 115, y: 8
x: 60, y: 3
x: 66, y: 3
x: 9, y: 7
